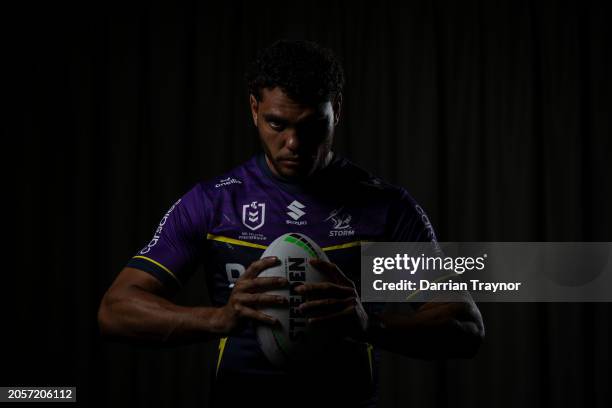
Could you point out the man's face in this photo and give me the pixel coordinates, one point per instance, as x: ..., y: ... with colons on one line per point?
x: 296, y: 138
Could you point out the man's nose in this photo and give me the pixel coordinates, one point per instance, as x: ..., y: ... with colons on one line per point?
x: 292, y: 141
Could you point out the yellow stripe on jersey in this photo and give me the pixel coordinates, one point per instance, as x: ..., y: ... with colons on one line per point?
x: 342, y: 246
x: 222, y: 343
x: 160, y: 265
x: 234, y: 241
x: 370, y: 348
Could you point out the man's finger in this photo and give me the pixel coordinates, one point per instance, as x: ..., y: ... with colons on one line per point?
x: 249, y: 313
x: 323, y: 307
x: 322, y: 290
x: 258, y: 266
x: 331, y: 318
x: 262, y: 284
x: 332, y: 271
x: 260, y: 299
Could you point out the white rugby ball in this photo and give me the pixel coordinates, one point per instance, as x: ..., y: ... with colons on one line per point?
x: 293, y: 340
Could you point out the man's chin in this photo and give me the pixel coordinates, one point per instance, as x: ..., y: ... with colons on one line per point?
x: 293, y: 175
x: 292, y: 171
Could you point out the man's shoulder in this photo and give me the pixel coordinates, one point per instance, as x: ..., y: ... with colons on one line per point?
x: 237, y: 177
x: 349, y: 175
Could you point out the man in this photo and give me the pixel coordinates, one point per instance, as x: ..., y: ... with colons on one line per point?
x: 297, y: 184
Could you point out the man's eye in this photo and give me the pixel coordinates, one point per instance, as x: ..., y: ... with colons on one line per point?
x: 275, y: 125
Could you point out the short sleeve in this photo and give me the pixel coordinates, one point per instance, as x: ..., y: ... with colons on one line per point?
x: 173, y: 252
x: 408, y: 222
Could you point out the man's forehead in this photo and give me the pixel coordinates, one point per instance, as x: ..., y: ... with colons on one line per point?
x: 276, y: 102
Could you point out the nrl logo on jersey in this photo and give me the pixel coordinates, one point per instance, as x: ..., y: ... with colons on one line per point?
x: 227, y: 181
x: 296, y: 211
x: 254, y: 215
x: 341, y: 223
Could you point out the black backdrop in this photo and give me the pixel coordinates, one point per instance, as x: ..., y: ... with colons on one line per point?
x: 494, y: 114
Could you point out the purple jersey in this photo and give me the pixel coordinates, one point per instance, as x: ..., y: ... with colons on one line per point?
x: 226, y: 224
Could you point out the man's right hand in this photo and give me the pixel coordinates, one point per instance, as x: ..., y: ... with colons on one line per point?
x: 247, y: 296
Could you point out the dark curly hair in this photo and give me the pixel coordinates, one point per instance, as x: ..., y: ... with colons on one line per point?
x: 305, y: 71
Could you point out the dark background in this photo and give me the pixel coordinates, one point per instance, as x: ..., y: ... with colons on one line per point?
x: 495, y: 115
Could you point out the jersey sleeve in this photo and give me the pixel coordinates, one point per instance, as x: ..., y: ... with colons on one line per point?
x: 174, y: 250
x: 408, y: 222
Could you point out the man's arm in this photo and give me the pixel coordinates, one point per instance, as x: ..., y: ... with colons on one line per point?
x: 434, y: 330
x: 137, y: 307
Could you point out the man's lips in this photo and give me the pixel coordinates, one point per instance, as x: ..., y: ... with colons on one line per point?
x: 291, y: 160
x: 291, y: 163
x: 298, y: 158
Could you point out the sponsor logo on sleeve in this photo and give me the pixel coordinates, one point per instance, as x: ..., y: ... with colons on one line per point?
x: 159, y: 230
x: 425, y: 219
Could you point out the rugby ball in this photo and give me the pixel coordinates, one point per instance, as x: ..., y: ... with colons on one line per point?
x: 291, y: 341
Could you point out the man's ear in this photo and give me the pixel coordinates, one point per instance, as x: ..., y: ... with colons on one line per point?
x: 254, y: 107
x: 337, y: 106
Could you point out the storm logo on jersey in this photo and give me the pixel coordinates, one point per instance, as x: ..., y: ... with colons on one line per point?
x: 341, y: 226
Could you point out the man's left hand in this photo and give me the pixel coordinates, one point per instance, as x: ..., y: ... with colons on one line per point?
x: 334, y: 304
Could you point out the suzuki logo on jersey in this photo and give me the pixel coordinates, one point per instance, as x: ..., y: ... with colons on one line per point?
x: 341, y: 226
x: 296, y: 212
x: 254, y: 215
